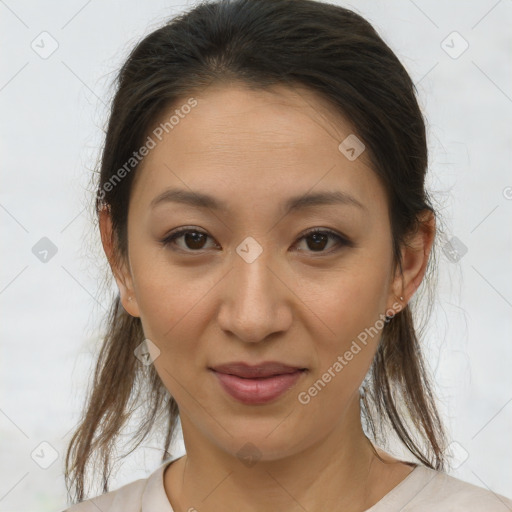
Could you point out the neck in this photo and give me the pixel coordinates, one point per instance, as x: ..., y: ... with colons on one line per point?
x: 341, y: 472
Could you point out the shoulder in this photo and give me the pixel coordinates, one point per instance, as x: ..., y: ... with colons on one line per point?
x: 447, y: 493
x: 144, y: 494
x: 127, y: 498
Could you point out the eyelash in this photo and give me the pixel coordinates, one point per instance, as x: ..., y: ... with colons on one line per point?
x: 342, y: 241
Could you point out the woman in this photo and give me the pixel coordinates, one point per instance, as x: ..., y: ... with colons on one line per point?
x: 261, y: 203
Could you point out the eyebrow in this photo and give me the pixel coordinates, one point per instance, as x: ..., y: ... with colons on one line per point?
x: 201, y: 200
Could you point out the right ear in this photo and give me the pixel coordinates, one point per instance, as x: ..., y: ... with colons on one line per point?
x: 120, y: 269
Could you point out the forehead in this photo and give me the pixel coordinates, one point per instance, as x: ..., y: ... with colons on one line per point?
x: 279, y: 117
x: 262, y: 144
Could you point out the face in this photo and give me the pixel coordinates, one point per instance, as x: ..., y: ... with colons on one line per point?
x: 240, y: 279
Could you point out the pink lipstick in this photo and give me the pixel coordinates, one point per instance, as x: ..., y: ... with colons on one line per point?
x: 257, y: 384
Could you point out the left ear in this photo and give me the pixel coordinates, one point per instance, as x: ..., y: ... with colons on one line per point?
x: 415, y: 254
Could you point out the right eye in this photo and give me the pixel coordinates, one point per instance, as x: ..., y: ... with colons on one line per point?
x: 193, y: 240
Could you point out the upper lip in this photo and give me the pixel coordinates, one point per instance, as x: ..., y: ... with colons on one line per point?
x: 247, y: 371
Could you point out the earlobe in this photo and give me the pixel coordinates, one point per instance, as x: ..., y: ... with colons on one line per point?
x: 130, y: 305
x: 415, y: 256
x: 119, y: 269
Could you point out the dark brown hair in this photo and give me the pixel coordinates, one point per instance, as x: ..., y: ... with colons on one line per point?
x: 337, y: 54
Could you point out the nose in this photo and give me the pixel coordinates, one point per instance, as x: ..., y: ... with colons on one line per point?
x: 256, y: 300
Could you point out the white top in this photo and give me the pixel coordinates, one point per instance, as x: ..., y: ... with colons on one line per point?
x: 422, y: 490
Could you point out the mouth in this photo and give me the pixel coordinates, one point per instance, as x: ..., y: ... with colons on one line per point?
x: 257, y: 384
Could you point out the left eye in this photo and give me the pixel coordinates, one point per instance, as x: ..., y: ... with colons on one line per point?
x: 320, y: 238
x: 195, y: 240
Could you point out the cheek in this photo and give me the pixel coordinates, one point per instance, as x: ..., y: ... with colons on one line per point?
x: 172, y: 314
x: 150, y: 277
x: 350, y: 305
x: 170, y: 301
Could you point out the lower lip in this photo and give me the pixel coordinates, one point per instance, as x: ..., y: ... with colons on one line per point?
x: 257, y: 391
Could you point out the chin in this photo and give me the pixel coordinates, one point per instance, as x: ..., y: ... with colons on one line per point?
x: 261, y: 440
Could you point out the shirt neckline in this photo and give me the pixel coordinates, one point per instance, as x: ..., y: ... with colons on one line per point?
x: 154, y: 496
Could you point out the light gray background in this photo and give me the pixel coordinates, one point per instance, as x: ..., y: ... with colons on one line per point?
x: 53, y: 110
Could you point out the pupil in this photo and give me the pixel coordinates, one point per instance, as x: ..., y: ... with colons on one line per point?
x: 318, y: 237
x: 194, y: 238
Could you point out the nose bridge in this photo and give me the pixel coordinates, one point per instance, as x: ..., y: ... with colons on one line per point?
x: 253, y: 305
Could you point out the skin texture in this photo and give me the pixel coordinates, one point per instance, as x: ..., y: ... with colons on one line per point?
x: 293, y: 304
